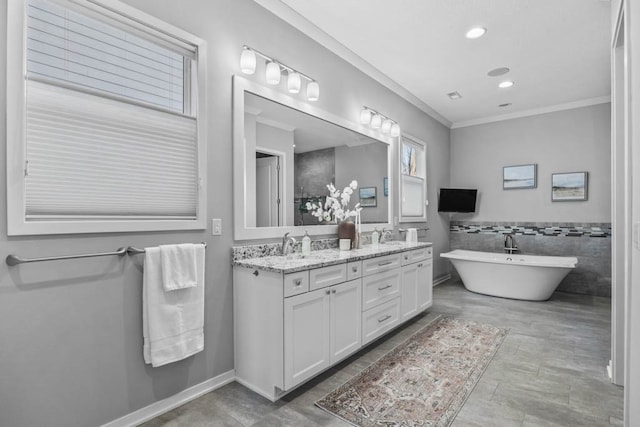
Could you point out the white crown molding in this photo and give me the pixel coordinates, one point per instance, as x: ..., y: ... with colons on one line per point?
x: 533, y: 112
x: 165, y: 405
x: 294, y: 19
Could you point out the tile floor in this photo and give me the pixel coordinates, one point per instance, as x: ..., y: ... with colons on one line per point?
x: 550, y: 370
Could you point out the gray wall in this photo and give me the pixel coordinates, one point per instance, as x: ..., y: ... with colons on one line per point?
x: 71, y: 352
x: 367, y: 164
x: 565, y: 141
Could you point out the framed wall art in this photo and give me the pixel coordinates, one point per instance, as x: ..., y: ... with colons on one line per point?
x: 368, y: 197
x: 569, y: 187
x: 521, y: 176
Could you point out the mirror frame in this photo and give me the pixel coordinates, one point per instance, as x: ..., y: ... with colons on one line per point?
x: 241, y: 231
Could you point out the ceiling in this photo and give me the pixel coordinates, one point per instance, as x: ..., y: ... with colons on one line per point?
x: 557, y: 51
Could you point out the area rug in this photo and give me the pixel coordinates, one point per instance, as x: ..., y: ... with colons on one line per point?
x: 423, y: 381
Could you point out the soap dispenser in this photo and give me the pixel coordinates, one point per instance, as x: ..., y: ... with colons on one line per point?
x: 375, y: 238
x: 306, y: 243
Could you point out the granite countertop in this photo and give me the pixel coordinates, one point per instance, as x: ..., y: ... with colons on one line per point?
x: 322, y: 258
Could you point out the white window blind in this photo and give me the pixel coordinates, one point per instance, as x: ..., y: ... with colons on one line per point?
x: 93, y: 156
x: 111, y: 131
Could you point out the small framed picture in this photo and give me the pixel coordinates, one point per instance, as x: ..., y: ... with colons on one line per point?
x: 368, y: 197
x: 521, y: 176
x: 385, y: 186
x: 569, y: 187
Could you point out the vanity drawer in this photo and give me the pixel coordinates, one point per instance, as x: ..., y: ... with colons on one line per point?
x: 383, y: 263
x: 354, y: 270
x: 379, y: 320
x: 327, y: 276
x: 380, y: 288
x: 296, y: 283
x: 416, y: 255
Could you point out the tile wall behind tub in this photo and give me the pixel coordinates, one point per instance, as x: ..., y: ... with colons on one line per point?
x: 590, y: 243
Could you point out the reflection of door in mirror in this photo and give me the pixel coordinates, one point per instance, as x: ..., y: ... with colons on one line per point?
x: 268, y: 206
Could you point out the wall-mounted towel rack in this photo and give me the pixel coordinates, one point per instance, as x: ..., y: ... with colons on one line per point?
x: 12, y: 260
x: 404, y: 230
x: 135, y: 251
x: 15, y: 260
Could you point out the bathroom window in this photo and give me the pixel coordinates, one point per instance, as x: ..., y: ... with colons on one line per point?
x: 105, y: 120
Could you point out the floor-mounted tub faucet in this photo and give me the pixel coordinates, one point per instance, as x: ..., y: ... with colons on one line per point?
x: 288, y: 242
x: 510, y: 244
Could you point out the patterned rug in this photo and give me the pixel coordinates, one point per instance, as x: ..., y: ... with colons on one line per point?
x: 423, y: 381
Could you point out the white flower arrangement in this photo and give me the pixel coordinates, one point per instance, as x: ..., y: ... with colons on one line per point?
x: 336, y: 207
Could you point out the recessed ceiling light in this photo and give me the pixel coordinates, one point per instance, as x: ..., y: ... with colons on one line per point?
x: 476, y: 32
x: 454, y: 95
x: 504, y: 105
x: 505, y: 84
x: 498, y: 71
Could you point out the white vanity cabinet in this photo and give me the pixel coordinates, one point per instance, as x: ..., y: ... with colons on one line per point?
x: 289, y: 327
x: 321, y: 328
x: 417, y: 282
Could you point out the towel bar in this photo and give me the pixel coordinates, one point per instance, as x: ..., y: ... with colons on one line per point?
x: 135, y: 251
x: 404, y: 230
x: 15, y: 260
x: 12, y: 260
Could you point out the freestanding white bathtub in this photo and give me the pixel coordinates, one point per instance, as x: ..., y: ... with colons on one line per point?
x: 527, y: 277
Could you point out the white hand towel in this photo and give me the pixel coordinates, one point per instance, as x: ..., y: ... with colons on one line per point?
x: 178, y: 266
x: 172, y: 322
x: 412, y: 235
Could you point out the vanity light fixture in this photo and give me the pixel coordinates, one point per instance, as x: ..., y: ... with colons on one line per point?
x: 505, y: 84
x: 293, y: 82
x: 376, y: 120
x: 274, y: 71
x: 248, y: 61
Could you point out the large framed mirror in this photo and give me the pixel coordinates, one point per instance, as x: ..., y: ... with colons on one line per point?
x: 286, y: 151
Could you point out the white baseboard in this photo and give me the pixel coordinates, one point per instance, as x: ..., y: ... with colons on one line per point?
x: 609, y: 371
x: 165, y: 405
x: 441, y: 279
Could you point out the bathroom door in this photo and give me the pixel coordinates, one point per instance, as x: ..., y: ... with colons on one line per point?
x: 268, y: 206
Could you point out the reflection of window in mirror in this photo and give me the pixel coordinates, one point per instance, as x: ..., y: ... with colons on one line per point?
x: 413, y: 180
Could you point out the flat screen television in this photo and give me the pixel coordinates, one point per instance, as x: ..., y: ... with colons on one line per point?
x: 457, y: 200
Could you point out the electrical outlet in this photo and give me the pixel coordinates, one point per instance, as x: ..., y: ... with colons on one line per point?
x: 216, y: 227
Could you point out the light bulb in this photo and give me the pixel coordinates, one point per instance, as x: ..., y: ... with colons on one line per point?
x: 293, y: 82
x: 273, y: 73
x: 365, y: 116
x: 313, y: 91
x: 376, y: 121
x: 505, y: 84
x: 248, y: 61
x: 386, y: 126
x: 395, y: 130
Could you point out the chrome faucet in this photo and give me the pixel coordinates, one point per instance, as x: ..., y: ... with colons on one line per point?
x: 385, y: 235
x: 288, y: 242
x: 510, y: 244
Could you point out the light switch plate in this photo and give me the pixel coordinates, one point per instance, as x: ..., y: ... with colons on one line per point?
x: 216, y: 227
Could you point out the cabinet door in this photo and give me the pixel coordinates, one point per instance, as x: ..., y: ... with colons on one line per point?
x: 306, y: 336
x: 425, y: 284
x: 346, y: 319
x: 409, y: 294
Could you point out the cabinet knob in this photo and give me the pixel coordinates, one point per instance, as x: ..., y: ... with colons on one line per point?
x: 406, y: 257
x: 297, y: 282
x: 419, y: 265
x: 255, y: 273
x: 327, y: 292
x: 354, y: 269
x: 333, y: 291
